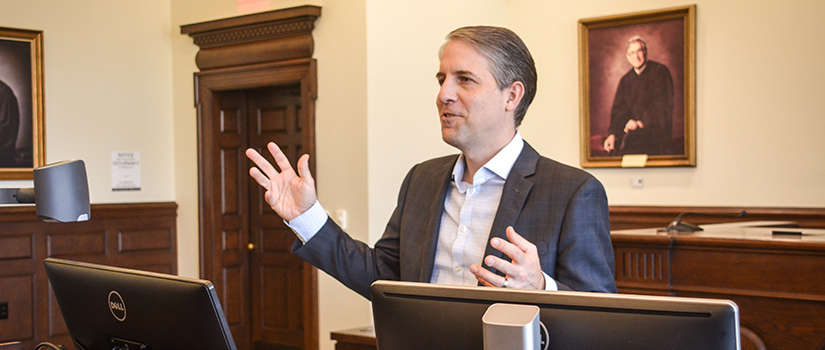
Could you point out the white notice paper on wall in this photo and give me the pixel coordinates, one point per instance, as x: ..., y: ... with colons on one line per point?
x: 125, y: 171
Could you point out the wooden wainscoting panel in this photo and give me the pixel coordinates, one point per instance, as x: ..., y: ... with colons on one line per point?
x: 75, y: 242
x: 16, y: 247
x: 16, y: 292
x: 131, y: 235
x: 145, y: 240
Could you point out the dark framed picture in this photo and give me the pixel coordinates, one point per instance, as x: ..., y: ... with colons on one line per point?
x: 21, y: 103
x: 637, y: 89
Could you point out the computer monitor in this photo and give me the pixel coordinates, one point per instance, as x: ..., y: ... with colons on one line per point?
x: 429, y: 316
x: 109, y: 308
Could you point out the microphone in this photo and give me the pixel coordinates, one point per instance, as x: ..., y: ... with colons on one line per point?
x: 682, y: 226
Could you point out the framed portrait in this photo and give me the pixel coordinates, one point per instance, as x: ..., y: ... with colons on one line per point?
x: 21, y: 103
x: 637, y: 89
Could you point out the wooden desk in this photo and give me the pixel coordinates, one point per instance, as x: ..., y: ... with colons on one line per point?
x: 362, y: 338
x: 776, y: 280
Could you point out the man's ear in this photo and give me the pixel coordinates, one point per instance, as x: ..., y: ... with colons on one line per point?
x: 514, y: 94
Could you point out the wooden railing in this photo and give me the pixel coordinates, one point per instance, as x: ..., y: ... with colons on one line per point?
x: 627, y: 217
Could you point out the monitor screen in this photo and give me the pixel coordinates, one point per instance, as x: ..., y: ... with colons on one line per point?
x: 429, y: 316
x: 114, y: 308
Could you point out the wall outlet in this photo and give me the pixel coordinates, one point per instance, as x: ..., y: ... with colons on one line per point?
x: 637, y: 182
x: 341, y: 218
x: 4, y: 311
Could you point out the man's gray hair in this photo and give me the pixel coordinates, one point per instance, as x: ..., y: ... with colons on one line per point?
x: 636, y: 38
x: 510, y: 60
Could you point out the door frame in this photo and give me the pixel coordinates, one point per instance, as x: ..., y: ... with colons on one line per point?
x: 264, y: 49
x: 212, y: 251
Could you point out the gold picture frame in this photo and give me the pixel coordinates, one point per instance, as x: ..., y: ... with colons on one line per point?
x: 624, y: 64
x: 21, y: 81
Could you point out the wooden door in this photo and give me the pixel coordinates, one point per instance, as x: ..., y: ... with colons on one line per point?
x: 267, y: 292
x: 276, y: 275
x: 228, y: 206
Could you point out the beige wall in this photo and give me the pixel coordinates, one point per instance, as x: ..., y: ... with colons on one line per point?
x: 759, y: 111
x: 119, y: 78
x: 403, y: 39
x: 107, y: 74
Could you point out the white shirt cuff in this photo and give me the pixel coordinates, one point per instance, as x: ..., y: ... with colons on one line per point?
x: 309, y: 222
x: 549, y: 283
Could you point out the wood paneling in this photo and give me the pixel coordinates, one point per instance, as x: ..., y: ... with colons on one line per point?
x: 355, y: 339
x: 136, y: 235
x: 626, y: 217
x: 16, y: 291
x: 774, y: 282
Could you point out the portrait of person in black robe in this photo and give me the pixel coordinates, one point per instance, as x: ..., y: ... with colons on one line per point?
x: 17, y: 104
x: 641, y: 118
x: 9, y: 124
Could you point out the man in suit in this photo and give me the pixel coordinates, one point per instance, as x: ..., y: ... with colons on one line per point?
x: 534, y: 223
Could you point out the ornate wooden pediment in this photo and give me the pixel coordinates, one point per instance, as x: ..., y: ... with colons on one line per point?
x: 272, y: 36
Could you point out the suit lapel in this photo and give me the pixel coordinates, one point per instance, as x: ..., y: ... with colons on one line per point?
x: 513, y: 196
x: 441, y: 183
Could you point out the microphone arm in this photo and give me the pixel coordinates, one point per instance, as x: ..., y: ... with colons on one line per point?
x: 682, y: 226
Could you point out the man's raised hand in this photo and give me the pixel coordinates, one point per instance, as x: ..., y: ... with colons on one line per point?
x: 287, y: 193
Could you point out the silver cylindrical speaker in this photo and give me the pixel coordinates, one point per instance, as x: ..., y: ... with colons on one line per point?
x: 511, y: 327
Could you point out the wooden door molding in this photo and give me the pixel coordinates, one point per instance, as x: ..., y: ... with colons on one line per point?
x: 273, y: 36
x: 270, y: 49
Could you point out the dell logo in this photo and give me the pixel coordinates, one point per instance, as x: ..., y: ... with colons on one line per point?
x: 117, y: 306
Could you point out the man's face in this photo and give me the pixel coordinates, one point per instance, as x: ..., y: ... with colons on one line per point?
x: 636, y: 55
x: 470, y: 104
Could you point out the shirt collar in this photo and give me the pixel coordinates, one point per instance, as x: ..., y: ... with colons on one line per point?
x: 641, y: 69
x: 500, y: 164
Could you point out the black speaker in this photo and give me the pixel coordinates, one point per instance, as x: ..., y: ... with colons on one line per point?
x: 60, y: 193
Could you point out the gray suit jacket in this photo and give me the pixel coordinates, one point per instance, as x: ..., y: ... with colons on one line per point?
x: 560, y: 209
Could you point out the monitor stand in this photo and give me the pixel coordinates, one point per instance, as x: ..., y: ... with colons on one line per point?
x: 123, y: 344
